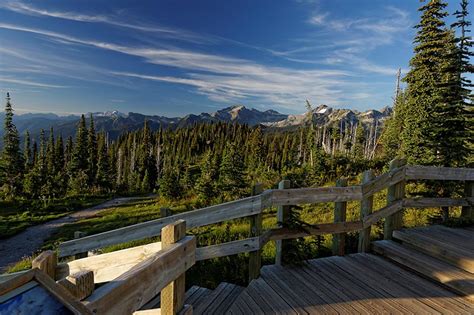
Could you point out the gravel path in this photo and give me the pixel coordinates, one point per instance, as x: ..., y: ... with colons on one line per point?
x: 30, y: 240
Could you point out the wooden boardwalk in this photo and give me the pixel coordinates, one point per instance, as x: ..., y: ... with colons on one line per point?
x: 368, y: 283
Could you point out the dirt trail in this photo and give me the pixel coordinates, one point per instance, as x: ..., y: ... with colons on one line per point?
x: 30, y: 240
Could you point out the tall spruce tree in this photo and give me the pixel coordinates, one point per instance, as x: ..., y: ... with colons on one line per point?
x: 232, y: 172
x: 11, y: 159
x: 423, y: 84
x: 92, y: 151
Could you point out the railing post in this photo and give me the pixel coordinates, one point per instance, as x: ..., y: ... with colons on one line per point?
x: 165, y: 212
x: 340, y: 208
x: 394, y: 192
x: 366, y: 207
x: 172, y: 296
x: 46, y: 262
x: 255, y: 258
x: 468, y: 211
x: 79, y: 234
x: 282, y: 217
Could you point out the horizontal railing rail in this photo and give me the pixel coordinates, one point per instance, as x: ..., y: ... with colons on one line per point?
x: 278, y: 197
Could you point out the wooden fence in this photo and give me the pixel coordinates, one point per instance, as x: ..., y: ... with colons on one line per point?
x: 128, y: 272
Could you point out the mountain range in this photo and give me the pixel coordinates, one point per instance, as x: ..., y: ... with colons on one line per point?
x: 115, y: 122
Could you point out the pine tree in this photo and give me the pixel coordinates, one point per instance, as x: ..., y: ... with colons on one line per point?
x: 78, y: 178
x: 11, y: 159
x: 92, y: 151
x: 393, y: 128
x: 423, y: 84
x: 103, y: 176
x: 205, y: 185
x: 27, y: 154
x: 232, y: 172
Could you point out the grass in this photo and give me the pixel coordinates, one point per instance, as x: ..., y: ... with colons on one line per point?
x: 234, y: 268
x: 16, y: 217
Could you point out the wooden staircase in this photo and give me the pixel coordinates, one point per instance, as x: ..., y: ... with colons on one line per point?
x: 442, y: 254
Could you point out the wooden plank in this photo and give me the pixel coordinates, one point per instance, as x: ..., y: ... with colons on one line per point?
x: 205, y: 216
x: 435, y: 296
x: 80, y: 284
x: 283, y: 213
x: 391, y: 290
x: 467, y: 211
x: 227, y: 302
x: 458, y: 280
x: 353, y: 290
x: 316, y: 229
x: 134, y: 288
x: 257, y: 308
x: 383, y: 181
x: 227, y: 249
x: 46, y: 262
x: 394, y: 193
x: 155, y: 311
x: 390, y: 209
x: 79, y: 234
x: 172, y: 296
x: 8, y: 276
x: 436, y: 202
x: 366, y: 207
x: 271, y: 297
x: 209, y: 305
x: 107, y: 267
x: 452, y: 254
x: 439, y: 173
x: 255, y: 257
x: 340, y: 208
x: 298, y: 196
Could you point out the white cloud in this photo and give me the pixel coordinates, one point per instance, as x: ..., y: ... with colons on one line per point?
x: 31, y: 83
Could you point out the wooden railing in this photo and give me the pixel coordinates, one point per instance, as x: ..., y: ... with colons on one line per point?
x: 136, y: 275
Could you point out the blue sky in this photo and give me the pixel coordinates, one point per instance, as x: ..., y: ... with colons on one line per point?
x: 173, y: 57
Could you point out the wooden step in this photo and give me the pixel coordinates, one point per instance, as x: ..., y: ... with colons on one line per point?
x: 441, y: 245
x: 219, y: 300
x: 453, y: 278
x: 194, y: 296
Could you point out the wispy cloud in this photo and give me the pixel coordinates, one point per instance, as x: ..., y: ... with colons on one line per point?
x: 31, y: 83
x: 114, y: 20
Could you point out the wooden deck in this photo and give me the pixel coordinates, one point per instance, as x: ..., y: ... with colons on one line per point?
x: 369, y: 283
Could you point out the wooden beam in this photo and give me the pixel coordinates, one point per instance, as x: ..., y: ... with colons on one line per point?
x: 255, y: 257
x: 340, y: 208
x: 172, y: 296
x: 317, y: 229
x: 107, y: 267
x: 315, y: 195
x: 80, y: 284
x: 165, y: 212
x: 394, y: 192
x: 467, y: 211
x: 383, y: 181
x: 283, y: 213
x: 439, y: 173
x: 46, y: 262
x: 205, y: 216
x: 436, y: 202
x: 229, y: 248
x: 79, y: 234
x: 390, y: 209
x: 366, y: 207
x: 134, y: 288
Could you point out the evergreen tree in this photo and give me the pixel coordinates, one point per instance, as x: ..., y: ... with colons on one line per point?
x: 206, y: 184
x: 393, y: 128
x: 423, y: 84
x: 79, y: 165
x: 92, y: 151
x: 232, y: 172
x: 11, y: 159
x: 27, y: 153
x: 104, y: 177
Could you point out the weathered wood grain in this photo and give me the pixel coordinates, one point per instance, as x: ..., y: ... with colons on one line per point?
x: 172, y: 296
x: 468, y: 211
x: 205, y: 216
x: 439, y: 173
x: 340, y: 208
x: 436, y: 202
x: 107, y: 267
x: 366, y: 207
x: 128, y: 292
x: 390, y: 209
x: 283, y: 213
x: 229, y: 248
x: 255, y: 259
x: 383, y: 181
x: 80, y: 284
x: 394, y: 192
x: 298, y: 196
x: 46, y: 262
x: 317, y: 229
